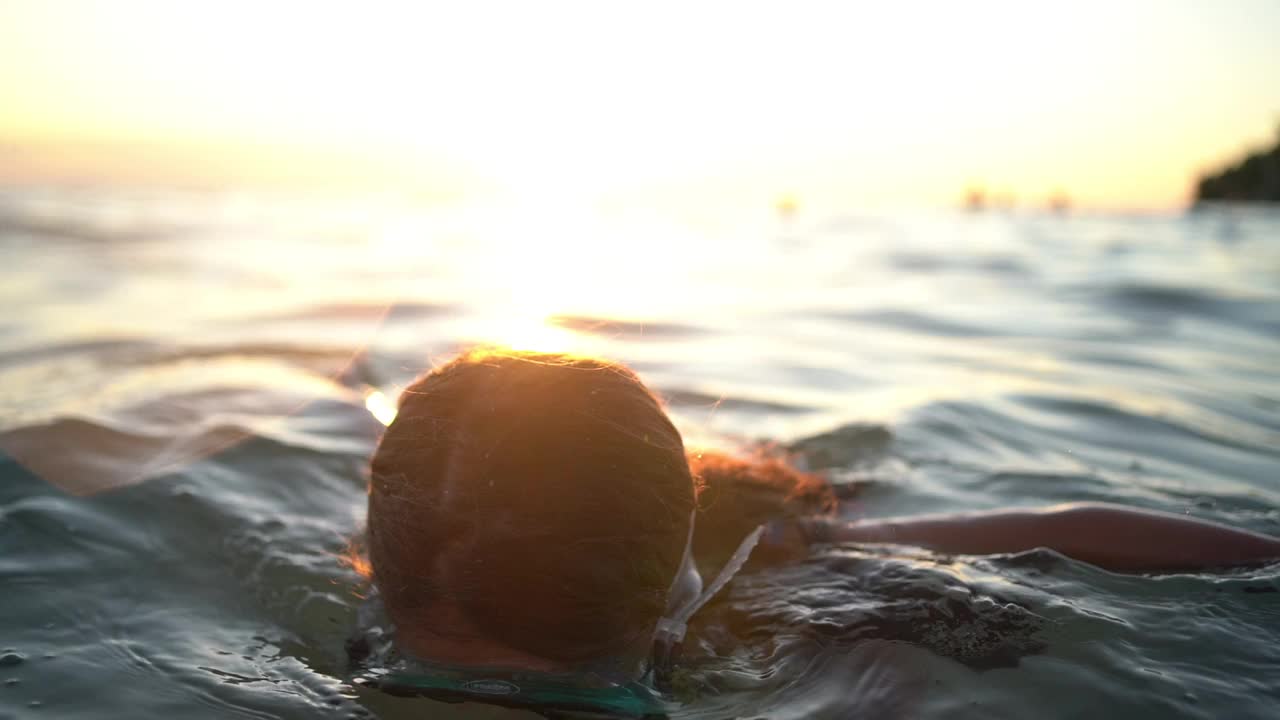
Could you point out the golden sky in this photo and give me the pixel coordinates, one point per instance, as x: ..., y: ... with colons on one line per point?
x: 1118, y: 104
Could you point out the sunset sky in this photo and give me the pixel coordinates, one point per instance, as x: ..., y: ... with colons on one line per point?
x: 1118, y: 104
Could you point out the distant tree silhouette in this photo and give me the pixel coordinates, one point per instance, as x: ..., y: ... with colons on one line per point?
x: 1256, y: 178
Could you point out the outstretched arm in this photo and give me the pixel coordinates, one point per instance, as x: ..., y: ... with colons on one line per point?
x: 1111, y: 537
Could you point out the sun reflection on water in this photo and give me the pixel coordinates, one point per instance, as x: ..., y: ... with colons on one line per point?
x: 535, y: 262
x: 536, y: 333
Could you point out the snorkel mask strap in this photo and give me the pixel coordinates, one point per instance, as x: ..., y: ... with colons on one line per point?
x: 672, y: 627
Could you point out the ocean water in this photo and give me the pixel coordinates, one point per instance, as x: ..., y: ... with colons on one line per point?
x: 190, y: 385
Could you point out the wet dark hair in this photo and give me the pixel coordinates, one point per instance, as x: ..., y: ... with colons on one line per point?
x: 546, y: 497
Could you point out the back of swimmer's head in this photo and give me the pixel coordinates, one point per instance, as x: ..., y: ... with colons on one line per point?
x: 535, y: 502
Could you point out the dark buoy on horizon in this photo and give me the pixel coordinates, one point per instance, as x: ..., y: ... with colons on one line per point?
x: 1059, y: 202
x: 975, y: 199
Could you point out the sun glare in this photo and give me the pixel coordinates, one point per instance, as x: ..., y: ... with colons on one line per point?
x: 535, y: 333
x: 535, y: 261
x: 379, y: 406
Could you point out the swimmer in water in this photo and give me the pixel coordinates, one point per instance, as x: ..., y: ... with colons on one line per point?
x: 539, y: 513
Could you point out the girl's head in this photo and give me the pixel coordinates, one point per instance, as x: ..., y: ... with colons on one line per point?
x: 528, y: 508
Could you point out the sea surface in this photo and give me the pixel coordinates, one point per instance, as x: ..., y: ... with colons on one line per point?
x: 191, y: 384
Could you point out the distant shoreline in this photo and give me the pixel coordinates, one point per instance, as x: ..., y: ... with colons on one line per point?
x: 1254, y: 179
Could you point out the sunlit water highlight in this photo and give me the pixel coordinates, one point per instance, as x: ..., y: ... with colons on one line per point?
x: 191, y: 385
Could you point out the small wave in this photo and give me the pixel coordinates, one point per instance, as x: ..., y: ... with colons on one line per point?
x: 102, y: 349
x: 625, y: 329
x: 72, y: 230
x: 1159, y: 303
x: 84, y: 456
x: 845, y: 447
x: 693, y: 398
x: 921, y: 262
x: 140, y: 351
x: 918, y: 262
x: 918, y: 322
x: 373, y: 312
x: 1146, y: 424
x: 1037, y: 448
x: 1183, y: 299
